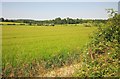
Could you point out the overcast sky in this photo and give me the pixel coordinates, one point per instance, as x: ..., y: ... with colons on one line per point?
x: 51, y: 10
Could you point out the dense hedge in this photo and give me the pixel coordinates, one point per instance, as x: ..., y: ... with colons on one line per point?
x: 101, y: 56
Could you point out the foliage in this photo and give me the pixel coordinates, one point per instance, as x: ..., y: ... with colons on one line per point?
x: 55, y: 21
x: 101, y: 57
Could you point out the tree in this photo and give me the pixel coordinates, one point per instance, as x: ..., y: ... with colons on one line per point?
x: 77, y: 21
x: 64, y: 21
x: 1, y: 19
x: 58, y: 20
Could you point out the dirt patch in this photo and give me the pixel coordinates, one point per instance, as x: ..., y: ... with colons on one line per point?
x: 66, y: 71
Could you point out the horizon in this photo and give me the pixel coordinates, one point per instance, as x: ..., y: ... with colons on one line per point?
x: 52, y: 10
x: 55, y: 18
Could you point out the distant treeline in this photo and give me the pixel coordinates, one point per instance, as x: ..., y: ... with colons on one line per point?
x: 55, y: 21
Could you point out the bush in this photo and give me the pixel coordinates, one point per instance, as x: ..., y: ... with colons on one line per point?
x: 101, y: 55
x: 87, y: 24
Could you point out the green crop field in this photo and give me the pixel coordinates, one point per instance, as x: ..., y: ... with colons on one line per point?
x: 10, y: 23
x: 24, y: 44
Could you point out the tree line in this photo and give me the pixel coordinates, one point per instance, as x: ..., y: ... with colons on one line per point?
x: 54, y: 21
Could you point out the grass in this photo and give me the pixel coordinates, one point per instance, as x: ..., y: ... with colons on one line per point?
x: 10, y: 23
x: 23, y: 44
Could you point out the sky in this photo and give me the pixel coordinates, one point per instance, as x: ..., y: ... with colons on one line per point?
x: 51, y: 10
x: 60, y: 0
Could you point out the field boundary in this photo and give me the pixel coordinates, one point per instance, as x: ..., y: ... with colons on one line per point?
x: 66, y: 71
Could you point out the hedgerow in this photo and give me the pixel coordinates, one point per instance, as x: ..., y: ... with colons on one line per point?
x: 101, y: 57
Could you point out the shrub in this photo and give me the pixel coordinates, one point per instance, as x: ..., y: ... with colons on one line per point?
x: 87, y: 24
x: 101, y: 55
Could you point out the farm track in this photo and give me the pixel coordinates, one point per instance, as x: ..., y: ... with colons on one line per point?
x: 66, y: 71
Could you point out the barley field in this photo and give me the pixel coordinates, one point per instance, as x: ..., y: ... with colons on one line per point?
x: 23, y: 44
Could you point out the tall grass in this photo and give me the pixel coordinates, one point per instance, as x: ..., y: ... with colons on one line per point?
x: 25, y: 48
